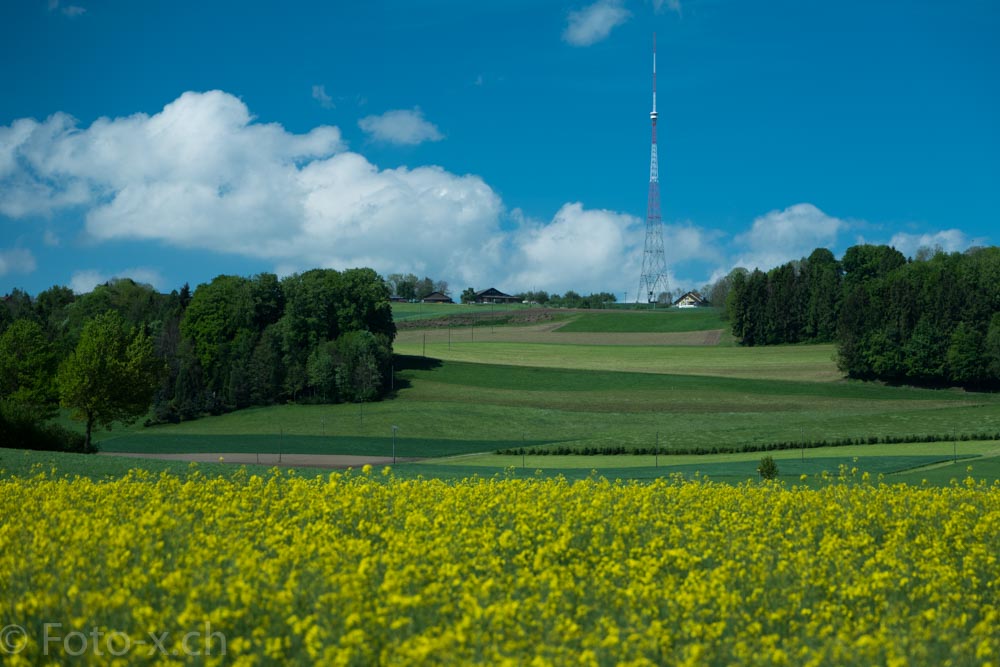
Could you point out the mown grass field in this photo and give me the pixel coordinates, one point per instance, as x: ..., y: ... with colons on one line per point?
x: 641, y: 321
x: 424, y: 311
x: 458, y: 409
x: 448, y: 408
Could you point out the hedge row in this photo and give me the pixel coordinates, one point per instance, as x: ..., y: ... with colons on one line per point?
x: 616, y: 450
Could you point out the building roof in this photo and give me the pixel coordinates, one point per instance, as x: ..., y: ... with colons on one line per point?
x: 493, y: 291
x: 438, y: 296
x: 693, y: 298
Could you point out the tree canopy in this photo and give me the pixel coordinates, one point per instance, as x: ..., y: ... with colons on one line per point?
x: 230, y: 343
x: 933, y: 320
x: 111, y: 374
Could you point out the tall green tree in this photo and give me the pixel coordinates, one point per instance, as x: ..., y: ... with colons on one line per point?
x: 111, y: 374
x: 966, y: 362
x: 718, y: 293
x: 823, y: 295
x: 28, y: 368
x: 862, y: 263
x: 362, y: 365
x: 362, y: 303
x: 52, y: 307
x: 404, y: 286
x: 424, y: 287
x: 218, y: 311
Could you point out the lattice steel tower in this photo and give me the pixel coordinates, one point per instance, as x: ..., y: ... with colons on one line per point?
x: 653, y: 280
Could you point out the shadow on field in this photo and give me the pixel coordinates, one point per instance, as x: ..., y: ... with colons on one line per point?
x: 406, y: 362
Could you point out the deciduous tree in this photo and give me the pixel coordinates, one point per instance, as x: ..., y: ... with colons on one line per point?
x: 111, y: 374
x: 28, y: 368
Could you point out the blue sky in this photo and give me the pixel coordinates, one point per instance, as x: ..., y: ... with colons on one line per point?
x: 486, y: 143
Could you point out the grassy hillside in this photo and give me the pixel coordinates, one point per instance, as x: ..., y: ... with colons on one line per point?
x: 448, y: 408
x: 470, y: 400
x: 421, y: 311
x: 642, y: 321
x: 801, y: 362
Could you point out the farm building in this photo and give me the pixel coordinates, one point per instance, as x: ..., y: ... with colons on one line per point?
x: 437, y: 297
x: 493, y: 295
x: 690, y: 300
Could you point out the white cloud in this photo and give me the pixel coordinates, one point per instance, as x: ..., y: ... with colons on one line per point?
x: 203, y: 174
x: 16, y: 260
x: 580, y: 249
x: 30, y: 178
x: 686, y: 242
x: 85, y: 281
x: 401, y: 126
x: 949, y: 240
x: 780, y: 236
x: 595, y: 22
x: 201, y: 156
x: 320, y: 95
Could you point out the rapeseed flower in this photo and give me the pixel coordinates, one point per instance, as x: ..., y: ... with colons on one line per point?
x: 361, y: 569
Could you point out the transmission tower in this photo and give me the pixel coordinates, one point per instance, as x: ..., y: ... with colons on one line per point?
x: 653, y: 280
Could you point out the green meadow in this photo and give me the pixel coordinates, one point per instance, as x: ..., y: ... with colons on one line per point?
x: 642, y: 321
x: 457, y: 407
x: 402, y: 312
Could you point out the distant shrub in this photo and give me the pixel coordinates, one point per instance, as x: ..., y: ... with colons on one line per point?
x: 768, y: 469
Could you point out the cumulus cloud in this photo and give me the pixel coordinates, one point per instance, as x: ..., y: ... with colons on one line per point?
x: 780, y: 236
x: 687, y: 242
x: 580, y: 249
x: 320, y: 95
x: 401, y: 126
x: 202, y: 173
x: 16, y: 260
x: 85, y: 281
x: 949, y: 240
x: 595, y: 22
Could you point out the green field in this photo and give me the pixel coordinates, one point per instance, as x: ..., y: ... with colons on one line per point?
x: 643, y: 321
x: 809, y: 363
x: 424, y: 311
x: 464, y: 402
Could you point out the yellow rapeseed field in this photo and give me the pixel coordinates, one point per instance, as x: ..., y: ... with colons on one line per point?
x: 362, y: 568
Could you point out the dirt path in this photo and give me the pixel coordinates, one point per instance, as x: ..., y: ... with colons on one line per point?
x: 286, y: 460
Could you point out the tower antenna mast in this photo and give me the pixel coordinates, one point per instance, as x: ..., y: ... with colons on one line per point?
x: 653, y: 280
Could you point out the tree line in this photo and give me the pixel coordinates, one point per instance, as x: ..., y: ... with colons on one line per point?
x: 319, y: 336
x: 570, y: 299
x: 933, y: 320
x: 408, y: 286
